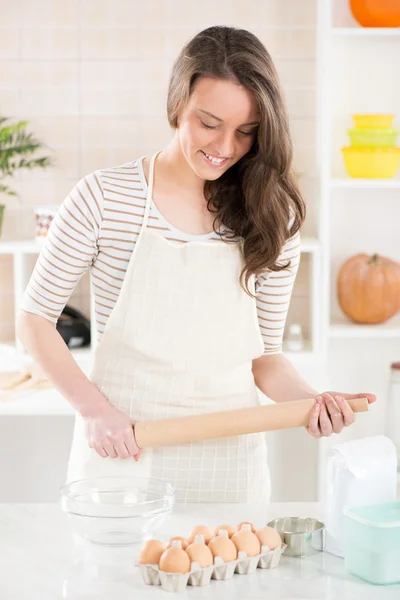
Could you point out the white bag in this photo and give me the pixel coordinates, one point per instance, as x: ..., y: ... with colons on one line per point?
x: 359, y: 472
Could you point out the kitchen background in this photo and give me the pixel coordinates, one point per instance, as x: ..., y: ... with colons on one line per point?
x: 90, y: 77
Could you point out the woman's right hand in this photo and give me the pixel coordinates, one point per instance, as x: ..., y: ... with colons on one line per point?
x: 108, y: 430
x: 110, y: 433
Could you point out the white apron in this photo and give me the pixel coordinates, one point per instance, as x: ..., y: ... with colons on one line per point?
x: 180, y: 341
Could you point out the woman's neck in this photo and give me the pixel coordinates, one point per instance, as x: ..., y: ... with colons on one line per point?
x: 178, y: 193
x: 172, y: 166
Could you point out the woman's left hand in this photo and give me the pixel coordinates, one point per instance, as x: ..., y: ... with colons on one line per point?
x: 331, y: 413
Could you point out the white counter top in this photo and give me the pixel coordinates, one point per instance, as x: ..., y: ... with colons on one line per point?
x: 42, y: 560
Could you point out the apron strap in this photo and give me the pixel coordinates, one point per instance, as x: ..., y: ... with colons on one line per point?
x: 149, y: 191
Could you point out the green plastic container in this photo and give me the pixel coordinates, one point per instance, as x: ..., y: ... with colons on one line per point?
x: 373, y: 138
x: 372, y: 542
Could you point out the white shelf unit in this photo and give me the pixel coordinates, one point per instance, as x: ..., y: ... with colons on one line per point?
x: 350, y: 81
x: 43, y: 401
x: 356, y: 70
x: 20, y: 250
x: 366, y: 184
x: 370, y: 32
x: 389, y: 330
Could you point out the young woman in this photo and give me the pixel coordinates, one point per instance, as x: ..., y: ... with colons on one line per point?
x: 193, y: 254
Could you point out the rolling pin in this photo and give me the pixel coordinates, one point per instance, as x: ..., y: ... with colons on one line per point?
x: 194, y: 428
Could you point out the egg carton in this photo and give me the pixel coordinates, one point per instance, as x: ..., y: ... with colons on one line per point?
x: 176, y: 582
x: 220, y: 570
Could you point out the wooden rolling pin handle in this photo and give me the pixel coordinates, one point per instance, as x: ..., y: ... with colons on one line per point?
x: 194, y: 428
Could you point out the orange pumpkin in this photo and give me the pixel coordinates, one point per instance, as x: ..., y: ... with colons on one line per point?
x: 376, y: 13
x: 369, y: 288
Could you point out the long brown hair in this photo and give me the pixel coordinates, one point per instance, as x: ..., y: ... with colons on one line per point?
x: 257, y: 197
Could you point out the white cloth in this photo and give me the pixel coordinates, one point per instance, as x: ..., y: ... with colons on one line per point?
x: 180, y: 341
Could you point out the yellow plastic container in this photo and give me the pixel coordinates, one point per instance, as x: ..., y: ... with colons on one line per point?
x: 373, y: 121
x: 371, y: 163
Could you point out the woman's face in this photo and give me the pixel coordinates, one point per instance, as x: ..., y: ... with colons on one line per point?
x: 218, y: 126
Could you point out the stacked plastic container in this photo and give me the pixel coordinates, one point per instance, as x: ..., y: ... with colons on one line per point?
x: 372, y: 542
x: 372, y: 153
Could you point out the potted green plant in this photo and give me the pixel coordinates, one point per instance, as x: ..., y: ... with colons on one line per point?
x: 17, y: 147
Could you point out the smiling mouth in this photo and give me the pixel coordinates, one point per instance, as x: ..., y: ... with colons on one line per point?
x: 213, y: 160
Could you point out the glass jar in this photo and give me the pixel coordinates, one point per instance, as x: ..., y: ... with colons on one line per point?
x: 393, y: 409
x: 44, y: 216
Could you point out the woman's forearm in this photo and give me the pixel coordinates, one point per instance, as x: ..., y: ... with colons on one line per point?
x: 47, y: 348
x: 277, y: 378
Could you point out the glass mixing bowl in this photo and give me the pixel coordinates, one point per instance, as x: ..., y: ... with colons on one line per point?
x: 117, y: 510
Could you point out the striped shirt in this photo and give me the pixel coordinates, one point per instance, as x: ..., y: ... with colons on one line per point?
x: 96, y: 229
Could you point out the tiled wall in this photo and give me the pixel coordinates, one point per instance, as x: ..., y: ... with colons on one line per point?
x: 91, y: 78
